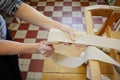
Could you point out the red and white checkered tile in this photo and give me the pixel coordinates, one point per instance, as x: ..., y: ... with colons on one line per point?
x: 70, y: 12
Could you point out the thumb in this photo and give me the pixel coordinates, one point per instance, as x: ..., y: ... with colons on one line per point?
x: 45, y: 47
x: 72, y: 35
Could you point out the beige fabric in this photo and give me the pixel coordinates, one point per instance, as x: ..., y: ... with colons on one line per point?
x: 56, y: 35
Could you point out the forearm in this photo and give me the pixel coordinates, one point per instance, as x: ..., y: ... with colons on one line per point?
x: 34, y: 17
x: 10, y: 47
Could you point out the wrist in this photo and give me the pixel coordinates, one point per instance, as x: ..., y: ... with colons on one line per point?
x: 31, y: 48
x: 35, y: 47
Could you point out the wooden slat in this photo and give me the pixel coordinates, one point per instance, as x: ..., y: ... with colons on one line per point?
x: 106, y: 68
x: 112, y: 51
x: 95, y: 73
x: 56, y: 76
x: 116, y: 35
x: 89, y: 23
x: 112, y: 18
x: 102, y: 7
x: 102, y: 10
x: 52, y: 67
x: 59, y: 76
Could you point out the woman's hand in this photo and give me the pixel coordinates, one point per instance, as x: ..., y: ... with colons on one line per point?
x: 45, y: 48
x: 69, y: 30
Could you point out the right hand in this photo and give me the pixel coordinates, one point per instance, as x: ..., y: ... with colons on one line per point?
x: 45, y: 48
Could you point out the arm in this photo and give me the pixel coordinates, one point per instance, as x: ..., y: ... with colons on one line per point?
x: 31, y: 15
x: 11, y: 48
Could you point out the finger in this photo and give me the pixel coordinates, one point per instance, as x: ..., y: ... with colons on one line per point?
x: 45, y: 42
x: 42, y: 52
x: 48, y: 53
x: 48, y: 44
x: 47, y: 48
x: 72, y: 35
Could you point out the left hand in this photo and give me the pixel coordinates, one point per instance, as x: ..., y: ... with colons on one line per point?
x: 70, y: 31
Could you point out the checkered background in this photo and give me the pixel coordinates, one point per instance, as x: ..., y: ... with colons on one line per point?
x: 70, y: 12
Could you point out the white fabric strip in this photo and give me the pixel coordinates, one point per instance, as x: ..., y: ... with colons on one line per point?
x: 91, y: 53
x: 56, y: 35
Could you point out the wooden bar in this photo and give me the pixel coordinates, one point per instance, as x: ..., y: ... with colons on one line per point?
x: 102, y: 10
x: 56, y: 76
x: 116, y: 34
x: 112, y: 18
x: 56, y: 68
x: 95, y: 73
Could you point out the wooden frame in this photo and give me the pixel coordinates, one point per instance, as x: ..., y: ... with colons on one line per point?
x: 112, y: 13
